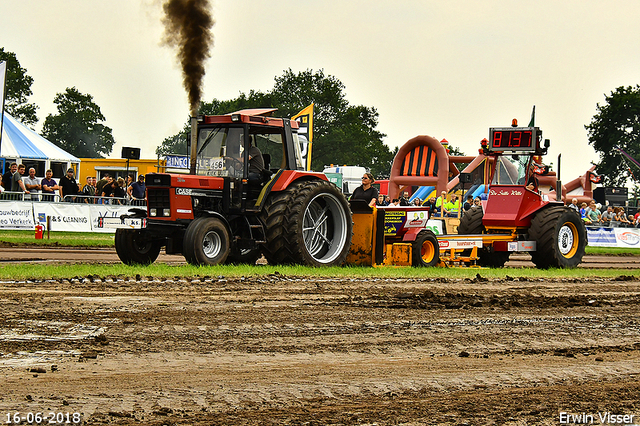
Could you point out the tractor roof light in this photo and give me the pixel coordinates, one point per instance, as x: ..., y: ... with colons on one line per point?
x: 235, y: 118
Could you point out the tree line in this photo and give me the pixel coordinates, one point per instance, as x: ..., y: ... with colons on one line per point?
x: 343, y: 133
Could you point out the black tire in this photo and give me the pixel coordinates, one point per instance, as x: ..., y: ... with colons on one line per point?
x: 560, y: 237
x: 309, y: 224
x: 134, y: 249
x: 471, y: 223
x: 425, y: 250
x: 206, y: 242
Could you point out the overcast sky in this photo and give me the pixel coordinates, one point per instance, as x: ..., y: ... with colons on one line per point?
x: 449, y: 69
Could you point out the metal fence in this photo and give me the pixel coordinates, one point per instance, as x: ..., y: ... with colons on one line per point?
x: 78, y: 199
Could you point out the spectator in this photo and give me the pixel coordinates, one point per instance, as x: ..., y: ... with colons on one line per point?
x: 441, y: 204
x: 607, y: 216
x: 404, y: 199
x: 477, y: 202
x: 380, y: 202
x: 69, y: 187
x: 621, y: 217
x: 17, y: 185
x: 119, y: 191
x: 467, y: 204
x: 365, y: 191
x: 89, y: 191
x: 593, y: 213
x: 583, y: 213
x: 49, y: 186
x: 137, y: 190
x: 32, y: 183
x: 6, y: 178
x: 574, y: 205
x: 417, y: 202
x: 108, y: 189
x: 101, y: 183
x: 431, y: 203
x: 394, y: 203
x: 453, y: 206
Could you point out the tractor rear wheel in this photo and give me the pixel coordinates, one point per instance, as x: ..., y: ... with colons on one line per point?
x: 425, y: 249
x: 560, y: 238
x: 133, y: 249
x: 471, y: 223
x: 309, y: 223
x: 206, y: 241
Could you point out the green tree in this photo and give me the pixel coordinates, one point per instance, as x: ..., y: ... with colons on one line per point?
x: 77, y: 127
x: 17, y: 90
x: 616, y: 125
x: 342, y: 133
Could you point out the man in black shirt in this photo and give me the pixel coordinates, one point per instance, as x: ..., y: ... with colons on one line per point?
x: 68, y: 187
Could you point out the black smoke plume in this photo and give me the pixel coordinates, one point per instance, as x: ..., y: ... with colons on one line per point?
x: 188, y: 25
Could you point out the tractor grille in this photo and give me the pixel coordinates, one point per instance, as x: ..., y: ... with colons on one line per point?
x: 158, y: 202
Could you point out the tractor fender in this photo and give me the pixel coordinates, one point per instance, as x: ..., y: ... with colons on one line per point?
x: 283, y: 179
x: 411, y: 234
x: 211, y: 213
x: 529, y: 213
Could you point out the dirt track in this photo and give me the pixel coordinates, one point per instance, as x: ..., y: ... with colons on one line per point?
x: 289, y: 350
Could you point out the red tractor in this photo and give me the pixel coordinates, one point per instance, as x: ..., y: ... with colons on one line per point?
x: 225, y: 212
x: 553, y: 233
x: 515, y: 216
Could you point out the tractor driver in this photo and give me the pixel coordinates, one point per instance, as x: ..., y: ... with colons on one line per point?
x: 534, y: 170
x: 256, y: 162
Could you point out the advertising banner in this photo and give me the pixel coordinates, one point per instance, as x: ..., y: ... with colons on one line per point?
x: 63, y: 216
x: 627, y: 237
x: 101, y: 210
x: 16, y: 215
x: 614, y: 237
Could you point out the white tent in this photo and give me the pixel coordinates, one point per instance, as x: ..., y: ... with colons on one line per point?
x: 20, y: 143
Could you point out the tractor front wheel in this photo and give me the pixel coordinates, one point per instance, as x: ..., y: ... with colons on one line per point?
x: 560, y: 238
x: 206, y: 241
x: 132, y: 248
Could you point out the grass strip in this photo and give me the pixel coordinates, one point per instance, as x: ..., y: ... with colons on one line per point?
x: 57, y: 239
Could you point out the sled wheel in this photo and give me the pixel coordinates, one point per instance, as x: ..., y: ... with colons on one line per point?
x: 425, y: 249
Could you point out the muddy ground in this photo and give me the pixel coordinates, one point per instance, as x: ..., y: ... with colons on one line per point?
x: 302, y: 351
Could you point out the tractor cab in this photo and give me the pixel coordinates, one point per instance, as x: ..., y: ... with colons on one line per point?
x: 514, y: 185
x: 246, y: 148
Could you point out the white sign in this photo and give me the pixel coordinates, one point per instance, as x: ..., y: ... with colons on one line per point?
x: 177, y: 161
x: 63, y: 216
x: 16, y: 215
